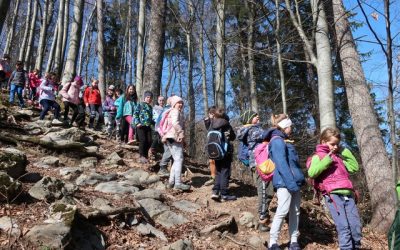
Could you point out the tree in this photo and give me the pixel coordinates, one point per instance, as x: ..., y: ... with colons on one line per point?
x: 85, y: 35
x: 4, y: 5
x: 10, y: 35
x: 26, y: 32
x: 203, y: 62
x: 100, y: 48
x: 374, y: 157
x: 46, y: 17
x: 74, y: 41
x: 31, y: 37
x: 250, y: 54
x: 58, y: 57
x: 220, y: 53
x: 155, y: 55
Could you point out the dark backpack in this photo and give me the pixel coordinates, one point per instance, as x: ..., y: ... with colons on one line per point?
x: 216, y: 146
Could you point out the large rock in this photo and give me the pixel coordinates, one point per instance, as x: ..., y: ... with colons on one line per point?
x: 180, y: 245
x: 64, y: 136
x: 89, y: 162
x: 61, y: 212
x: 47, y: 162
x: 153, y: 207
x: 51, y: 236
x: 114, y: 159
x: 256, y: 242
x: 9, y: 226
x: 70, y: 171
x: 186, y: 206
x: 170, y: 219
x: 94, y: 178
x: 13, y: 162
x: 148, y: 193
x: 246, y: 219
x: 140, y: 177
x: 147, y: 229
x: 48, y: 189
x: 8, y: 187
x: 115, y: 187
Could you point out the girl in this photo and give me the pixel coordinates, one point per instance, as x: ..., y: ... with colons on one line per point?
x: 173, y: 138
x: 109, y: 110
x: 47, y: 98
x: 126, y: 109
x: 143, y: 122
x: 287, y: 180
x: 70, y: 98
x: 92, y: 99
x: 223, y: 167
x: 330, y: 167
x: 34, y: 82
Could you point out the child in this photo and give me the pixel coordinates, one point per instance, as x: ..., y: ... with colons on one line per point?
x: 213, y: 170
x: 143, y: 122
x: 109, y: 110
x: 47, y: 98
x: 174, y: 138
x: 166, y: 157
x: 117, y: 103
x: 17, y: 81
x: 287, y: 180
x: 157, y: 111
x: 6, y: 70
x: 70, y: 94
x: 34, y: 82
x: 92, y: 99
x: 330, y: 167
x: 223, y: 167
x: 126, y: 109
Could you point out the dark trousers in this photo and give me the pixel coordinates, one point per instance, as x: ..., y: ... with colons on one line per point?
x: 74, y: 107
x: 265, y: 193
x: 222, y: 178
x: 80, y: 118
x: 47, y: 105
x: 94, y: 108
x: 144, y: 136
x: 124, y: 130
x: 32, y: 95
x: 156, y: 145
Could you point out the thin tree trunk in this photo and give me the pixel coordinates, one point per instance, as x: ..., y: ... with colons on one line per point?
x: 203, y: 71
x: 140, y: 46
x: 180, y: 77
x: 374, y: 157
x: 85, y: 34
x: 4, y: 6
x: 220, y: 67
x: 31, y: 41
x: 250, y: 53
x: 130, y: 41
x: 171, y: 69
x: 100, y: 48
x: 26, y: 32
x: 50, y: 60
x: 42, y: 36
x: 57, y: 67
x: 74, y: 41
x: 65, y: 31
x: 279, y: 53
x: 88, y: 58
x: 10, y: 34
x: 155, y: 57
x: 211, y: 52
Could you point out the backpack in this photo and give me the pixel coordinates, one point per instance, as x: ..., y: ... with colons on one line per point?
x: 264, y: 165
x: 216, y: 146
x: 163, y: 127
x: 243, y: 149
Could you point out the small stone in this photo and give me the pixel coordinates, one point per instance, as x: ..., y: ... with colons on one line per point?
x: 148, y: 193
x: 94, y: 178
x: 170, y: 219
x: 114, y: 187
x: 255, y: 242
x: 153, y: 207
x: 246, y: 218
x: 47, y: 162
x: 89, y: 162
x: 180, y: 245
x: 8, y: 187
x: 8, y: 224
x: 186, y: 206
x: 114, y: 159
x: 13, y: 162
x: 50, y: 235
x: 48, y: 189
x: 70, y: 170
x: 147, y: 229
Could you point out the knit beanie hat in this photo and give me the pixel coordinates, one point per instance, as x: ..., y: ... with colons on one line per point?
x: 78, y: 80
x: 247, y: 116
x: 174, y: 100
x: 147, y: 93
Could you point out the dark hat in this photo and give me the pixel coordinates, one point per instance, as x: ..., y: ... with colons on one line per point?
x: 247, y: 116
x: 147, y: 93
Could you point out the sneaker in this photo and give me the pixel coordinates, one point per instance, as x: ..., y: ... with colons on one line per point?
x: 263, y: 228
x: 274, y: 247
x: 170, y: 185
x: 131, y: 142
x: 215, y: 196
x: 228, y: 198
x: 163, y: 172
x: 294, y: 246
x: 182, y: 187
x: 210, y: 182
x: 56, y: 122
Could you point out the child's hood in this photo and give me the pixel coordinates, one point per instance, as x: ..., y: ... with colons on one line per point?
x: 322, y: 148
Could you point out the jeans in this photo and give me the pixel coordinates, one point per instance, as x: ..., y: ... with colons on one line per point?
x: 223, y: 168
x: 16, y: 89
x: 94, y: 108
x: 74, y: 107
x: 347, y: 220
x: 176, y: 150
x: 288, y: 202
x: 166, y: 157
x: 47, y: 105
x: 109, y: 121
x: 144, y: 136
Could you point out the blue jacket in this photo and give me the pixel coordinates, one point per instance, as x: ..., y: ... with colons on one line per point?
x: 288, y: 173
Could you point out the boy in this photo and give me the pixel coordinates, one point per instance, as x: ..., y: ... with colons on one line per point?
x: 17, y: 81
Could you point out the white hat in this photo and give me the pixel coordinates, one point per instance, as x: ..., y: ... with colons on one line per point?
x: 111, y: 87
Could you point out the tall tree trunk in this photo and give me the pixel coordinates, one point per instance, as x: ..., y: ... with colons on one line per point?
x: 65, y: 31
x: 374, y: 157
x: 203, y: 71
x: 220, y: 67
x: 100, y: 48
x: 154, y: 59
x: 50, y: 60
x: 250, y: 54
x: 31, y: 41
x: 42, y: 36
x: 10, y: 34
x: 85, y: 34
x: 211, y: 52
x: 26, y: 32
x: 4, y: 5
x: 324, y: 66
x: 140, y: 46
x: 74, y: 41
x: 57, y: 67
x: 171, y: 69
x: 130, y: 58
x: 279, y: 53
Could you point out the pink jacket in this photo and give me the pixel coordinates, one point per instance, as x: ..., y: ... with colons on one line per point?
x: 70, y: 92
x: 176, y: 120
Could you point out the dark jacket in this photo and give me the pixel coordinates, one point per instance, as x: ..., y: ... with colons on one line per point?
x: 288, y: 173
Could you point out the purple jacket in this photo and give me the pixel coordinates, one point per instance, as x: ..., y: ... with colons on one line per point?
x: 336, y: 176
x: 109, y: 106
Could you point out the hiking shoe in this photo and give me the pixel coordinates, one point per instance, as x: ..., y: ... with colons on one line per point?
x: 210, y: 182
x: 56, y: 122
x: 228, y: 198
x: 274, y: 247
x: 294, y: 246
x: 182, y: 187
x: 163, y: 172
x: 143, y: 160
x: 215, y: 197
x: 170, y: 185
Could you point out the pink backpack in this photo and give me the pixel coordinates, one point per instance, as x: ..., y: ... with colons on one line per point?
x: 264, y: 165
x: 164, y: 126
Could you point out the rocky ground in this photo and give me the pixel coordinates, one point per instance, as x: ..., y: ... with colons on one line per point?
x: 76, y: 189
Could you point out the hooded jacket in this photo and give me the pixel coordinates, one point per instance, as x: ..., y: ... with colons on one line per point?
x: 46, y: 91
x: 176, y: 120
x: 92, y: 96
x: 70, y: 92
x: 287, y: 173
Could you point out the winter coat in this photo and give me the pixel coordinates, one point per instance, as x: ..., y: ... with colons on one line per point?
x: 34, y: 80
x: 287, y: 173
x: 46, y: 91
x: 143, y: 114
x: 92, y: 96
x: 177, y: 121
x: 19, y: 77
x: 109, y: 105
x: 70, y: 93
x: 157, y: 110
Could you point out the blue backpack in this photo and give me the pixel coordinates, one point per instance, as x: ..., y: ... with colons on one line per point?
x: 216, y: 146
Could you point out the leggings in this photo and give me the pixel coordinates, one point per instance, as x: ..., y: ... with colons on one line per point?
x: 74, y: 107
x: 131, y: 133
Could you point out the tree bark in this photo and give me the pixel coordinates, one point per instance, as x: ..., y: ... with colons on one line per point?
x: 100, y: 48
x: 203, y: 69
x: 220, y: 67
x: 250, y: 54
x: 154, y: 59
x: 85, y: 34
x: 57, y: 67
x: 140, y: 46
x: 26, y: 32
x: 374, y: 157
x: 74, y: 42
x: 31, y: 41
x: 279, y: 53
x: 65, y: 32
x: 130, y: 57
x: 4, y: 5
x: 42, y: 36
x: 50, y: 60
x: 10, y: 34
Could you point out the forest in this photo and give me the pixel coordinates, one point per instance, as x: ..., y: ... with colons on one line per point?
x: 324, y: 63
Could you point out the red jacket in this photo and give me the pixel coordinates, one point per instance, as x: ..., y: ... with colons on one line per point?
x: 34, y: 80
x: 92, y: 96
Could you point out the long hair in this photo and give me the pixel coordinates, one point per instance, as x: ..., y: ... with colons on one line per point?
x: 132, y: 97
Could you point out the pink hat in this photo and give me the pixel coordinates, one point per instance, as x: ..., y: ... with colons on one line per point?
x: 174, y: 100
x: 78, y: 79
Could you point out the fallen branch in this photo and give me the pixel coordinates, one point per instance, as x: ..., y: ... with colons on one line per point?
x: 237, y: 242
x: 112, y: 211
